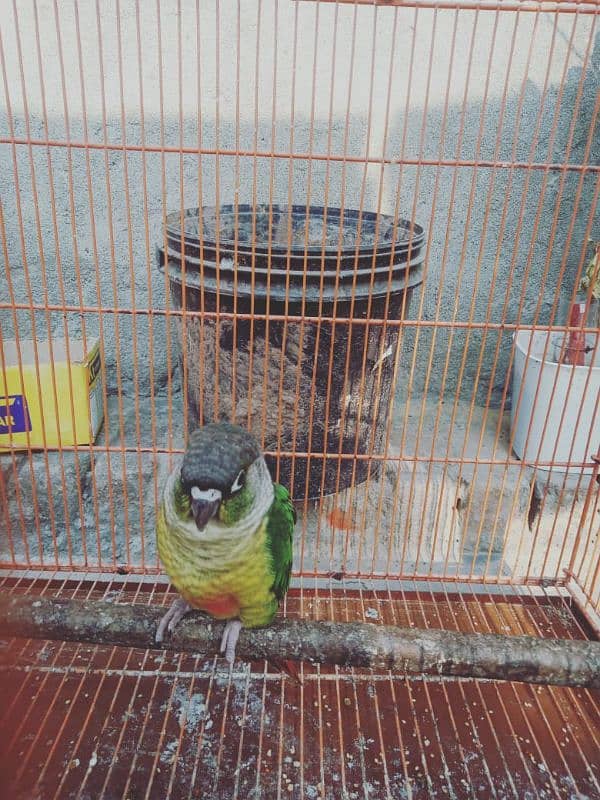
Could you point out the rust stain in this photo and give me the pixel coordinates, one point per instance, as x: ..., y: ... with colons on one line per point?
x: 341, y: 520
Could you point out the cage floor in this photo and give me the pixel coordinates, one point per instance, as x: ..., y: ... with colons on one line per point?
x: 80, y: 721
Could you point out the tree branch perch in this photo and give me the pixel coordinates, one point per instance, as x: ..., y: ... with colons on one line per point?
x: 357, y: 644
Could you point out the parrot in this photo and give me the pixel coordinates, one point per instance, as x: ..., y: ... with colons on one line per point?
x: 225, y: 534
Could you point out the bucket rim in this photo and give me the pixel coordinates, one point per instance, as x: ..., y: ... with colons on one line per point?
x: 227, y: 267
x: 173, y: 228
x: 291, y: 294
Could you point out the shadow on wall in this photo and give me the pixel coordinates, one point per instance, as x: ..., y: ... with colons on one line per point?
x: 498, y: 236
x: 90, y: 220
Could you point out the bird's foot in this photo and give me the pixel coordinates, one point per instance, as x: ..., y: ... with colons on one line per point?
x: 229, y: 640
x: 179, y: 608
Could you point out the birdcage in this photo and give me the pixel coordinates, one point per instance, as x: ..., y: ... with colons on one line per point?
x: 365, y: 231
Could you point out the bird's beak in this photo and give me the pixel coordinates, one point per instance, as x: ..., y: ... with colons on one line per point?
x: 205, y: 505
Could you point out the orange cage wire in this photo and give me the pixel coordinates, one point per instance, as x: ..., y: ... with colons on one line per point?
x: 78, y: 253
x: 477, y: 121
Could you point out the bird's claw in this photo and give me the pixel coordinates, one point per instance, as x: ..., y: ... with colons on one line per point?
x: 229, y: 640
x: 171, y: 619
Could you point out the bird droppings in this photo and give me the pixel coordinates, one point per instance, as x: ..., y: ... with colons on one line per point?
x: 93, y: 760
x: 372, y: 613
x: 169, y: 752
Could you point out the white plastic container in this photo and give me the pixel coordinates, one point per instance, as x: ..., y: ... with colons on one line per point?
x: 561, y: 438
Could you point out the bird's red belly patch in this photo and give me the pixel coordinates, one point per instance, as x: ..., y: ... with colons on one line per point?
x: 224, y: 607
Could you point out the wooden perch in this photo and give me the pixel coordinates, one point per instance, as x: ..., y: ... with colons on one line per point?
x: 357, y: 644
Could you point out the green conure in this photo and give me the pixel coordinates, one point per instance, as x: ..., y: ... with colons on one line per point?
x: 224, y: 534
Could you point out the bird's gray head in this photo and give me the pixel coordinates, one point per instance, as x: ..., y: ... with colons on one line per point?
x: 214, y: 471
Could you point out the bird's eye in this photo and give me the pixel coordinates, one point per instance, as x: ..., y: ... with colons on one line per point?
x: 238, y: 482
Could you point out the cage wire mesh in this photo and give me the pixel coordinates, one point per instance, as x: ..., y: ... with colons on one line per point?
x: 343, y: 225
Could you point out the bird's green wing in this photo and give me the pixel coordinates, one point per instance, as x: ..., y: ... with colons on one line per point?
x: 280, y: 529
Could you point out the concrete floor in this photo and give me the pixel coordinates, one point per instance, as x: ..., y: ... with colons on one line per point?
x: 419, y: 515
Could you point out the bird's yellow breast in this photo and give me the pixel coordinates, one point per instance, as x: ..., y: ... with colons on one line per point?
x: 242, y: 588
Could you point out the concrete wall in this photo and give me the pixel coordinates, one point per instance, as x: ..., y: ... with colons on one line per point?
x: 80, y: 225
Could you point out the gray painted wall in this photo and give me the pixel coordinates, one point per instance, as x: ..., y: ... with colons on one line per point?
x: 99, y: 212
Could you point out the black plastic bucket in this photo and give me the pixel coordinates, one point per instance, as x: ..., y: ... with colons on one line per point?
x: 320, y: 385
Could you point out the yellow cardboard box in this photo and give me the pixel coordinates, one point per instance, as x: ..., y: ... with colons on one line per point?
x: 57, y: 402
